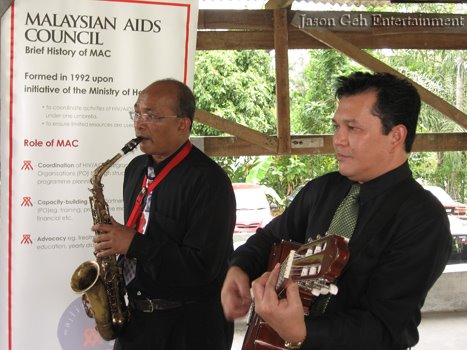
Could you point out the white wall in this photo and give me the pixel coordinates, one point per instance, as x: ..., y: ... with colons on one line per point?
x: 449, y: 292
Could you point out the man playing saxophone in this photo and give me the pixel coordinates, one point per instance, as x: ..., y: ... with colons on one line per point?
x: 179, y: 210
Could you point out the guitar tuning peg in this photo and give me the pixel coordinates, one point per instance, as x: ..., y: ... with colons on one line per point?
x: 316, y: 292
x: 333, y: 289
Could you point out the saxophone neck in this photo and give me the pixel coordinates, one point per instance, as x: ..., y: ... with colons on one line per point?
x: 101, y: 169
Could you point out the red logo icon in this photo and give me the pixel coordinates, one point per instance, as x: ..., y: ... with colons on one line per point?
x: 91, y: 338
x: 26, y: 202
x: 26, y: 239
x: 27, y: 165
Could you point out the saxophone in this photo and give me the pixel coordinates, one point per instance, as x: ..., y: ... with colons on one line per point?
x: 101, y: 281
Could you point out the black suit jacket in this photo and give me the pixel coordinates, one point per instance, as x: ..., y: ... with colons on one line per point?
x: 184, y: 252
x: 399, y: 248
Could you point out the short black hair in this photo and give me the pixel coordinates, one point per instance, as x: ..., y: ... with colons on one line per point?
x: 397, y: 100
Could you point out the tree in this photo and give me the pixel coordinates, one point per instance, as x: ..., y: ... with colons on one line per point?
x: 238, y: 86
x: 313, y: 103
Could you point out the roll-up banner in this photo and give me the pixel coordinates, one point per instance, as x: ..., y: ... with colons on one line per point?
x: 70, y: 72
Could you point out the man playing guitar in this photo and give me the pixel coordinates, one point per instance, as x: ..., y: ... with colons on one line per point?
x: 399, y: 247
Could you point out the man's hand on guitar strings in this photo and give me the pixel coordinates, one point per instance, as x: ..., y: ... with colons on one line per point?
x: 235, y: 294
x: 284, y: 315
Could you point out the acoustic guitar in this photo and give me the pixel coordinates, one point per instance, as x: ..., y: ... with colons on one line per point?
x: 314, y: 266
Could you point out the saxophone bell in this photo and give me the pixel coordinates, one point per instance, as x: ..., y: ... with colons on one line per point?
x: 86, y: 280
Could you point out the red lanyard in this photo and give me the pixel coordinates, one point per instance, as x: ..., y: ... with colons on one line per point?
x: 137, y: 209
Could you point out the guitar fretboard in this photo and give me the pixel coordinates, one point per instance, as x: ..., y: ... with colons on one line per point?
x: 285, y: 269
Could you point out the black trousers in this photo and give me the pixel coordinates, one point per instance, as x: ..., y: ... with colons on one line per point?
x: 198, y: 325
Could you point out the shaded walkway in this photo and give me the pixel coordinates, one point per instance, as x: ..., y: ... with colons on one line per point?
x: 438, y: 331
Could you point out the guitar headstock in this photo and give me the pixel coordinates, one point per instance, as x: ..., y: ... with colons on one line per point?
x: 315, y: 265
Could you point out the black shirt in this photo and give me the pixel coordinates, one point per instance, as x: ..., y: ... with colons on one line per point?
x: 399, y: 248
x: 184, y: 252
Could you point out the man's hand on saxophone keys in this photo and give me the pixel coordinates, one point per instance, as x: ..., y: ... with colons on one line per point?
x: 112, y: 238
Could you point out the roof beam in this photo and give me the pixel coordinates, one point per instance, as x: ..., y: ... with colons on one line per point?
x: 267, y: 143
x: 227, y: 146
x: 263, y: 40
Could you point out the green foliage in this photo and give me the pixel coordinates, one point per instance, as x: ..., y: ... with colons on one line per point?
x: 259, y: 171
x: 237, y: 168
x: 445, y: 169
x: 238, y: 86
x: 288, y: 172
x: 312, y: 102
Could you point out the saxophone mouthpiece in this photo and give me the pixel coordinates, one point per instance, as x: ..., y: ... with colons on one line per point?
x: 130, y: 146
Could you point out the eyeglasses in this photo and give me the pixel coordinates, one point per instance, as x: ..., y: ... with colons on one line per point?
x: 135, y: 116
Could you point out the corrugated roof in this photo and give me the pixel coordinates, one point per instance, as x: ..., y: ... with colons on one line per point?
x: 259, y: 4
x: 345, y: 2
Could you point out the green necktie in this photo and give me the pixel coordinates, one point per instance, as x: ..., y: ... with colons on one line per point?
x: 343, y: 224
x: 345, y: 218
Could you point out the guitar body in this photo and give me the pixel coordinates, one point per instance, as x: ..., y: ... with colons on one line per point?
x: 260, y: 336
x: 330, y: 254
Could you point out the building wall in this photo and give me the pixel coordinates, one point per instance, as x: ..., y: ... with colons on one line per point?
x: 449, y: 292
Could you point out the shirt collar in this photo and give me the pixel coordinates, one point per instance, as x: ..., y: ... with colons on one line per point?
x: 381, y: 184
